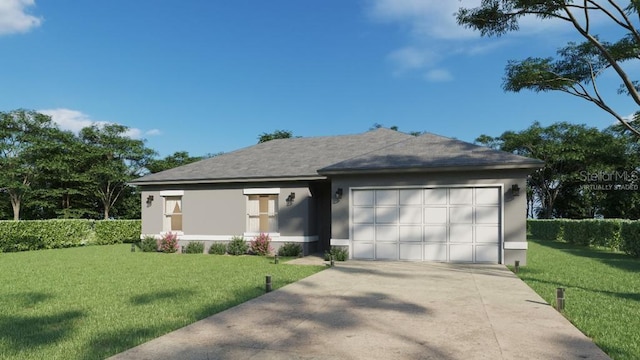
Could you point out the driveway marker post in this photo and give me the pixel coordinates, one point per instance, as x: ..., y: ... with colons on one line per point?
x: 560, y: 299
x: 268, y: 283
x: 517, y: 266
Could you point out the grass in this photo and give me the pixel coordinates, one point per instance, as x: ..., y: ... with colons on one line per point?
x: 602, y: 292
x: 93, y: 302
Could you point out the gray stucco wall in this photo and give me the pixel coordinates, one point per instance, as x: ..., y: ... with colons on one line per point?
x: 514, y: 207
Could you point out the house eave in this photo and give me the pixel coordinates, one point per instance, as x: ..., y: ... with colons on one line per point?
x: 434, y: 169
x: 226, y: 180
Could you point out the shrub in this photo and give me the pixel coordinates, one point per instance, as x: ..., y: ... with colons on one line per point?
x: 117, y: 231
x: 290, y: 249
x: 550, y: 230
x: 149, y: 244
x: 580, y: 232
x: 195, y: 247
x: 261, y: 245
x: 218, y: 249
x: 44, y: 234
x: 169, y: 243
x: 237, y: 246
x: 630, y: 233
x: 339, y: 253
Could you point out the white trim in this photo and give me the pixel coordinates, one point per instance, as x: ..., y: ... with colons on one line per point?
x: 254, y: 234
x: 172, y: 193
x: 261, y: 191
x: 205, y: 237
x: 340, y: 242
x: 516, y: 245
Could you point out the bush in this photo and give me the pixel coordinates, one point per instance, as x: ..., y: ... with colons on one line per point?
x: 630, y: 233
x: 195, y: 247
x: 44, y: 234
x: 237, y: 246
x: 218, y: 249
x: 169, y: 243
x: 290, y: 249
x: 117, y: 231
x: 580, y: 232
x: 261, y: 245
x: 550, y: 230
x: 149, y: 244
x: 339, y: 253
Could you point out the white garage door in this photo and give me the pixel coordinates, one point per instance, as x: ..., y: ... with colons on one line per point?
x: 431, y: 224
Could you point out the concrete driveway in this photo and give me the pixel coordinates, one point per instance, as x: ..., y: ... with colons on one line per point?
x: 384, y: 310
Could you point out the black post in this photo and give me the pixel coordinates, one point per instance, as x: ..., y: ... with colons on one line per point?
x: 560, y: 299
x: 275, y: 259
x: 517, y: 266
x: 268, y: 283
x: 133, y: 247
x: 331, y: 260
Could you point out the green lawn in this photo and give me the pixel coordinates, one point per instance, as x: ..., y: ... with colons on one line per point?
x: 602, y: 296
x: 92, y: 302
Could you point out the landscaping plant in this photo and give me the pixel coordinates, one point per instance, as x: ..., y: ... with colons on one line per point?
x: 169, y: 243
x: 149, y: 244
x: 261, y: 245
x: 290, y: 249
x: 237, y: 246
x: 218, y: 249
x: 195, y: 247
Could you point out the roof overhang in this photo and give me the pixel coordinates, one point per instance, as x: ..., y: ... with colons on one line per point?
x: 434, y: 169
x: 228, y: 180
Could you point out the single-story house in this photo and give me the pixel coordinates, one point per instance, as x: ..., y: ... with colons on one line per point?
x: 383, y: 194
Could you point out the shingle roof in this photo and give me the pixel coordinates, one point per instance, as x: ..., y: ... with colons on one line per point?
x: 312, y: 158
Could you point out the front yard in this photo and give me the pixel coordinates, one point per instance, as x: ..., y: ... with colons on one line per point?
x: 602, y: 295
x: 93, y: 302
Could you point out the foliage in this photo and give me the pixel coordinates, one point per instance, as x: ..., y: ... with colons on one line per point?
x: 339, y: 253
x: 630, y: 234
x: 261, y: 245
x: 578, y: 66
x: 586, y: 173
x: 549, y: 230
x: 178, y: 158
x: 149, y: 244
x: 290, y: 249
x: 277, y: 134
x: 602, y: 289
x: 169, y: 242
x: 44, y: 234
x: 237, y: 246
x: 218, y: 248
x: 117, y: 231
x: 194, y: 247
x: 96, y: 301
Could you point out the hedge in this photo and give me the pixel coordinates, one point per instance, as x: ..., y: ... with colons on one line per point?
x: 615, y: 234
x: 50, y: 234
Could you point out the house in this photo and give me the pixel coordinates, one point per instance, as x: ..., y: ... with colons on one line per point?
x: 383, y: 194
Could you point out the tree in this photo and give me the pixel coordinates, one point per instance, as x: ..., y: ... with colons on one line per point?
x: 178, y: 158
x: 578, y: 65
x: 24, y: 135
x: 571, y: 184
x: 278, y: 134
x: 115, y: 159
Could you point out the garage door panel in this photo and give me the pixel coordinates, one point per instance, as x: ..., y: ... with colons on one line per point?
x: 386, y: 233
x: 410, y: 233
x: 488, y: 234
x: 363, y: 197
x: 363, y: 250
x: 411, y: 197
x: 487, y: 253
x: 461, y: 233
x: 435, y: 252
x: 435, y: 215
x: 461, y: 253
x: 461, y: 215
x: 386, y: 251
x: 435, y: 234
x: 460, y: 196
x: 386, y: 197
x: 410, y: 251
x: 364, y: 215
x: 410, y: 215
x: 487, y: 196
x: 387, y: 215
x: 487, y: 214
x: 363, y: 232
x: 435, y: 196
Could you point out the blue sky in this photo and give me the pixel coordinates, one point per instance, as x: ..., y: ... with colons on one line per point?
x: 209, y: 76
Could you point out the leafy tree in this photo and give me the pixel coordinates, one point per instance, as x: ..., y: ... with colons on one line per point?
x: 24, y: 135
x: 278, y: 134
x: 178, y: 158
x: 578, y: 65
x: 115, y: 159
x: 569, y: 185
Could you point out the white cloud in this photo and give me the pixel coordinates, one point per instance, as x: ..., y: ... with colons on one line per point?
x: 412, y: 58
x: 74, y: 121
x: 15, y: 19
x: 438, y: 75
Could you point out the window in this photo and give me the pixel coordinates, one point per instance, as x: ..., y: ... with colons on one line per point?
x: 262, y: 213
x: 172, y: 213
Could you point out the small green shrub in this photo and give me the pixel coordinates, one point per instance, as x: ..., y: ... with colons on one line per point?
x: 195, y: 247
x: 630, y: 231
x: 261, y: 245
x: 117, y: 231
x: 218, y: 249
x: 169, y: 242
x: 290, y: 249
x: 550, y: 230
x: 237, y: 246
x: 339, y: 253
x: 149, y: 244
